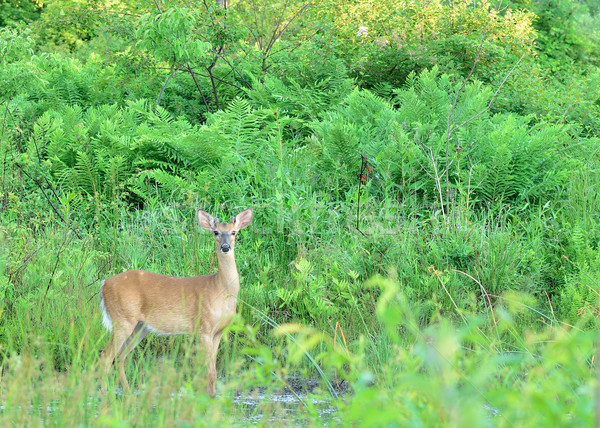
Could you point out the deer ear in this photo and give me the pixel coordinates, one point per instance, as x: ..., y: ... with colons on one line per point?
x: 243, y: 219
x: 205, y: 220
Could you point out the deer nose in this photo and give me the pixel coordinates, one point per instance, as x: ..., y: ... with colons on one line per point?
x: 225, y: 248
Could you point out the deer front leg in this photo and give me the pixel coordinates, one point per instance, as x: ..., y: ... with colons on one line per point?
x: 211, y: 346
x: 211, y: 367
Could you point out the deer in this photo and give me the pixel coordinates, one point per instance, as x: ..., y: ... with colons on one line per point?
x: 137, y: 302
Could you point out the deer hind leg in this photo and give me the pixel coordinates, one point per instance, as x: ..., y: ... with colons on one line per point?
x: 113, y: 352
x: 107, y: 357
x: 127, y: 345
x: 118, y: 337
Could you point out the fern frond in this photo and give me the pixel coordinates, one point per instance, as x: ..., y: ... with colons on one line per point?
x: 85, y: 175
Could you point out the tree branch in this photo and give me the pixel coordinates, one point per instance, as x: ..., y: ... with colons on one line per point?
x: 492, y: 100
x: 198, y: 87
x: 166, y: 83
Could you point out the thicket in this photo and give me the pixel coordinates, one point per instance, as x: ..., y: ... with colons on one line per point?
x: 450, y: 147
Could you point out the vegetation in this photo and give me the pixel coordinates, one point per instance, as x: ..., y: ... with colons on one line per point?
x: 424, y: 178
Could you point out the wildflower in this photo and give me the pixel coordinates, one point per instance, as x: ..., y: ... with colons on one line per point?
x: 363, y: 31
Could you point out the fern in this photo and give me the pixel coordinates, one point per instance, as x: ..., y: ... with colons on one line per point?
x: 340, y: 139
x: 205, y: 147
x: 238, y: 122
x: 245, y: 129
x: 303, y: 102
x: 364, y: 124
x: 85, y: 174
x: 170, y: 184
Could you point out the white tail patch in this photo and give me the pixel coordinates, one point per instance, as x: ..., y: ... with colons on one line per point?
x: 105, y: 316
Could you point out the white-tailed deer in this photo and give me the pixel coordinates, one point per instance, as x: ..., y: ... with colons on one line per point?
x: 135, y: 303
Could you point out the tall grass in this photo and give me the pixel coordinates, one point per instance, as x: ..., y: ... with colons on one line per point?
x: 394, y: 304
x: 405, y: 358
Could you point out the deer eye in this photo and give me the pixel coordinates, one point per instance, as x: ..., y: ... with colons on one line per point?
x: 216, y: 232
x: 233, y: 232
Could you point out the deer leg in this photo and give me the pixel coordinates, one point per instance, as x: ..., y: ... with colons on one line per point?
x: 211, y: 370
x: 113, y: 348
x: 107, y: 355
x: 136, y: 336
x: 212, y: 347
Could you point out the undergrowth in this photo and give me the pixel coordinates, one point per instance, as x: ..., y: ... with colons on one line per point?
x: 424, y: 249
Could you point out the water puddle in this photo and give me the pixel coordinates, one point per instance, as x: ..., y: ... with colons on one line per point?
x: 290, y: 404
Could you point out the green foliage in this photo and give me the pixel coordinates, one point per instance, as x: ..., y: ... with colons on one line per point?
x: 14, y: 11
x: 109, y: 153
x: 303, y: 103
x: 444, y: 373
x: 557, y: 85
x: 580, y: 298
x: 436, y: 381
x: 15, y: 49
x: 385, y: 42
x: 561, y: 32
x: 426, y: 239
x: 171, y: 36
x: 516, y: 164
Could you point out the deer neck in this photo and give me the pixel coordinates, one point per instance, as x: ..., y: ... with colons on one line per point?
x: 227, y: 274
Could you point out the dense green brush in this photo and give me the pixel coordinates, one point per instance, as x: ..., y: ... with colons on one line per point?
x: 425, y: 243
